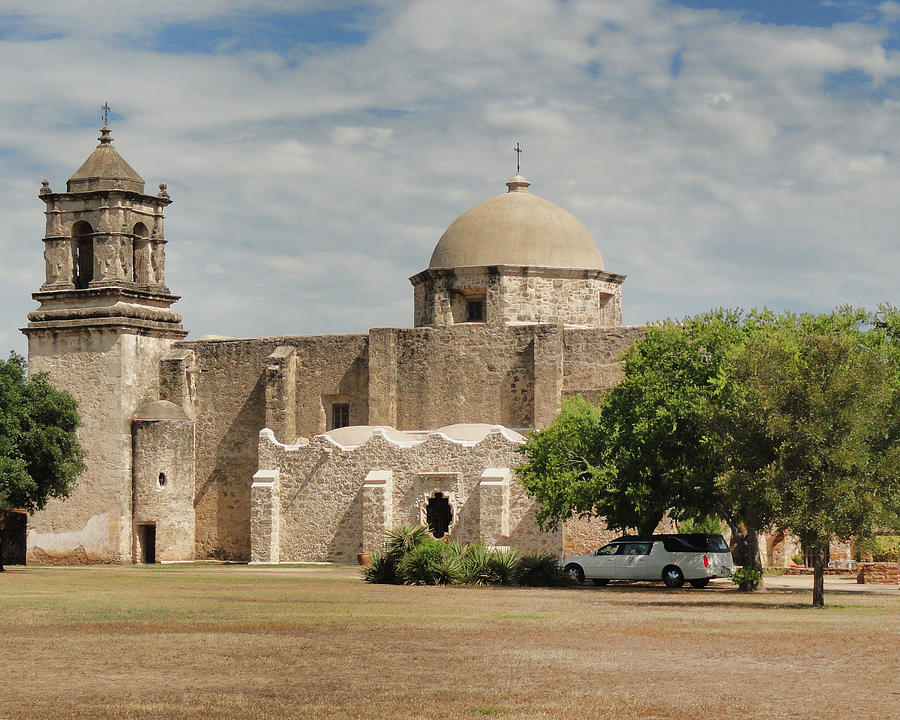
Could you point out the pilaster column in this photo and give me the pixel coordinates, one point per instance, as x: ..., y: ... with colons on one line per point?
x: 377, y: 508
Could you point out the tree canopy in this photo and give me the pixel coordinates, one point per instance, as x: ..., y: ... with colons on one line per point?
x: 40, y: 456
x: 644, y: 452
x: 763, y: 420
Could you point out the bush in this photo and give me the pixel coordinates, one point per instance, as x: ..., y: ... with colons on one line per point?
x: 404, y: 539
x: 502, y: 565
x: 381, y: 569
x: 413, y: 557
x: 882, y: 548
x: 476, y: 565
x: 746, y: 578
x: 448, y: 570
x: 425, y: 564
x: 540, y: 570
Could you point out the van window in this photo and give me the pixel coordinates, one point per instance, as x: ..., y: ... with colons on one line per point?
x: 641, y: 548
x: 681, y: 543
x: 716, y: 544
x: 611, y: 549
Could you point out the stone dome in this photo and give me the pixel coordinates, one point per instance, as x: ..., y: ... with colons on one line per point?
x: 105, y: 169
x: 517, y: 228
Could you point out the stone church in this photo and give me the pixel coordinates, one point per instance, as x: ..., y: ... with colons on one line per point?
x: 307, y: 447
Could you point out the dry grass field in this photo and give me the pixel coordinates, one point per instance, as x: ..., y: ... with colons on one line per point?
x: 235, y: 641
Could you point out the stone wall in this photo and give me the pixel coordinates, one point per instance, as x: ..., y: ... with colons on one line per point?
x: 407, y: 378
x: 465, y: 373
x: 336, y: 501
x: 553, y: 297
x: 887, y: 573
x: 230, y: 409
x: 110, y: 374
x: 591, y: 359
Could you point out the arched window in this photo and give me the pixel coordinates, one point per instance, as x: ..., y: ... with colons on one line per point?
x: 140, y: 260
x: 83, y: 250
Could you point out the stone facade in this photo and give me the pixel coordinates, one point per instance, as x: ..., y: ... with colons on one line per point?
x: 405, y: 378
x: 337, y: 495
x: 171, y: 426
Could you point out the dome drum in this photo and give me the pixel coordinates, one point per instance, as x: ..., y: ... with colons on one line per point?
x: 517, y: 294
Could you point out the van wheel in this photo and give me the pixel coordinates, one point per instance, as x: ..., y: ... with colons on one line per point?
x: 601, y: 581
x: 575, y: 572
x: 672, y: 576
x: 701, y: 583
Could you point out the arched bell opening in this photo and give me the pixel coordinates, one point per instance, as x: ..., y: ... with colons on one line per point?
x: 83, y: 253
x: 140, y: 261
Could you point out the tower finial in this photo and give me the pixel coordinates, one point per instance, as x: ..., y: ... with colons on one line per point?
x: 518, y: 152
x: 105, y: 108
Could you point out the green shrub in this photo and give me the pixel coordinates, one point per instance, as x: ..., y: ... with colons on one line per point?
x: 404, y: 539
x: 382, y: 569
x: 540, y: 570
x: 476, y: 568
x: 502, y: 564
x: 424, y: 564
x: 882, y: 548
x: 746, y: 577
x: 448, y: 570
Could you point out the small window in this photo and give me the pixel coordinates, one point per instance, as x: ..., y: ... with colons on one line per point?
x: 475, y: 311
x: 340, y: 415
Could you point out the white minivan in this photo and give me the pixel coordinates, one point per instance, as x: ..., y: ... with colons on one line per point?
x: 695, y: 557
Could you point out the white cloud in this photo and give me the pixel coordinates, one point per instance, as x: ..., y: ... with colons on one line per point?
x: 308, y: 186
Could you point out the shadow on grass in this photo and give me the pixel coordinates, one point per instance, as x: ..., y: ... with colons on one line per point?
x: 726, y: 597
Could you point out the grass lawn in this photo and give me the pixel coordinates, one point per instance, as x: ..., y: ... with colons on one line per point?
x: 182, y: 641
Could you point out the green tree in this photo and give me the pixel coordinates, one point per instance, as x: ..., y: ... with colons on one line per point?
x: 686, y: 430
x: 810, y: 428
x: 40, y: 456
x: 644, y: 451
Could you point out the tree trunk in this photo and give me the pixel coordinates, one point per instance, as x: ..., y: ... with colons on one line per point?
x: 818, y: 576
x: 746, y: 546
x: 2, y: 513
x: 648, y: 527
x: 754, y: 559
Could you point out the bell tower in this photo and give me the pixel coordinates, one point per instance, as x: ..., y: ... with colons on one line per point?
x: 104, y: 250
x: 104, y: 322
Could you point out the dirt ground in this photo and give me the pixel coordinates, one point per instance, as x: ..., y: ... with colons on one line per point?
x: 184, y: 641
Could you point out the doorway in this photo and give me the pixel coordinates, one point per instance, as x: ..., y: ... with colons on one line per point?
x: 147, y: 543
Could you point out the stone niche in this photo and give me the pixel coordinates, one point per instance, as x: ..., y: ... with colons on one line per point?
x: 163, y: 476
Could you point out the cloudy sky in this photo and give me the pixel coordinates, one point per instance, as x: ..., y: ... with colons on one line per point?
x: 732, y: 153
